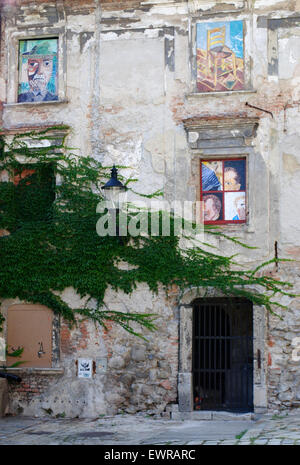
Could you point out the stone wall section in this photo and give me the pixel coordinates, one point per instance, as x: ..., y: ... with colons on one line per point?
x: 130, y: 374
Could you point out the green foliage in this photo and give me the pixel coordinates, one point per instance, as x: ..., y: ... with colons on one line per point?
x: 239, y: 436
x: 15, y: 353
x: 53, y: 243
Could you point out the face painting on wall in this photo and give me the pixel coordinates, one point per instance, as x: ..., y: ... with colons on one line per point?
x: 223, y: 190
x: 234, y: 175
x: 212, y: 207
x: 38, y: 70
x: 235, y: 206
x: 220, y: 56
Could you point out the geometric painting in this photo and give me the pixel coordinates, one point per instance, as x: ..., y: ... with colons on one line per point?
x: 38, y: 70
x: 220, y: 56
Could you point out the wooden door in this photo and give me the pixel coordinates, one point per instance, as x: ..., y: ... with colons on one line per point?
x: 30, y: 326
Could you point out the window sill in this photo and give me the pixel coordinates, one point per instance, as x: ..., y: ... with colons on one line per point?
x: 21, y: 104
x: 222, y: 93
x: 238, y: 228
x: 36, y: 371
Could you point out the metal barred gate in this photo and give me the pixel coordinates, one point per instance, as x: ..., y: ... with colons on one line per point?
x: 223, y: 355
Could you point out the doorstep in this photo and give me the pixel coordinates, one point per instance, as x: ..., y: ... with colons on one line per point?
x: 34, y: 371
x: 210, y: 415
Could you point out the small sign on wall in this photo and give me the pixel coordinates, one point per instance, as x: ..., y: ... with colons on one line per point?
x: 101, y: 364
x: 85, y: 368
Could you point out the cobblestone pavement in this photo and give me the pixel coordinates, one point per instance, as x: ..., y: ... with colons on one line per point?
x: 142, y: 429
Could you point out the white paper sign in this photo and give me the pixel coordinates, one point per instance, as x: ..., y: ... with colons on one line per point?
x: 85, y: 367
x: 101, y: 364
x: 2, y: 350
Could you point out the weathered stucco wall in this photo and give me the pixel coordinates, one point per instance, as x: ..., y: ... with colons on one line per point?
x: 126, y: 86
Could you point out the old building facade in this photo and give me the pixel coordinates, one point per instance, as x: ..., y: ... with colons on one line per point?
x: 167, y: 88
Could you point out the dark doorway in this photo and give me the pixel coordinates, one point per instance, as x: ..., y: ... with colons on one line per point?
x: 223, y: 355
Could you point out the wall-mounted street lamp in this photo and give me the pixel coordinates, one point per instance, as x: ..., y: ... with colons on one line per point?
x: 115, y: 195
x: 115, y: 190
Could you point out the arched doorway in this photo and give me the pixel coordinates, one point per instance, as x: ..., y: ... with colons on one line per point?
x: 222, y: 358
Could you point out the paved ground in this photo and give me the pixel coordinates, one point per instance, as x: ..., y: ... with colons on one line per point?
x: 141, y: 429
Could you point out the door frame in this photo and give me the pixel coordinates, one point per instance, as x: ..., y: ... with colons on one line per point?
x: 55, y: 355
x: 185, y: 375
x: 228, y: 354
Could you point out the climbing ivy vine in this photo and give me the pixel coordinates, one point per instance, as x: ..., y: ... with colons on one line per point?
x: 49, y: 241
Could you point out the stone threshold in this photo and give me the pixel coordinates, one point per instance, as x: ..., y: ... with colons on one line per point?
x: 36, y: 371
x: 212, y: 415
x: 220, y: 93
x: 21, y: 104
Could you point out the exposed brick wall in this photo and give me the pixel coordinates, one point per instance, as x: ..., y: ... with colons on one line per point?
x: 32, y: 385
x: 73, y: 340
x: 65, y: 339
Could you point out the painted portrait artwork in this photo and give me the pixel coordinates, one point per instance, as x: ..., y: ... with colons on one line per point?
x: 223, y: 190
x: 38, y: 70
x: 213, y: 207
x: 220, y: 56
x: 235, y: 206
